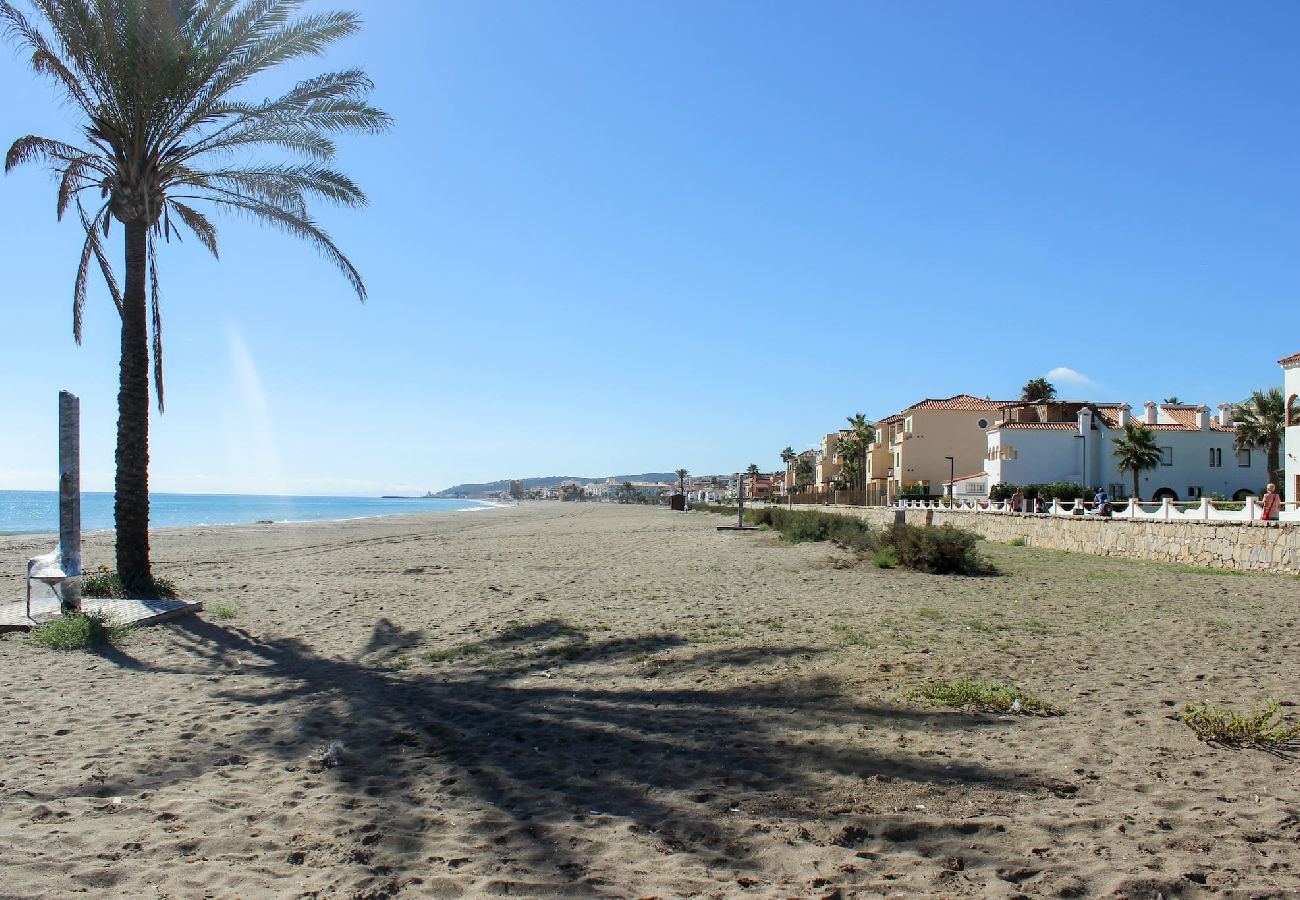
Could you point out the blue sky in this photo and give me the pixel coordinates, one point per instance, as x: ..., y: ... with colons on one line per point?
x: 619, y: 237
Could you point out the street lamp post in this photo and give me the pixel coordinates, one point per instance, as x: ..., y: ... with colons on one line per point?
x: 952, y: 474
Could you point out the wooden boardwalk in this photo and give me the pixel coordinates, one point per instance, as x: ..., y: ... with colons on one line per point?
x: 13, y: 616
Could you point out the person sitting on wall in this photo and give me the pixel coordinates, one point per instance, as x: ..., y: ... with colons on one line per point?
x: 1102, y: 503
x: 1270, y: 504
x: 1040, y: 505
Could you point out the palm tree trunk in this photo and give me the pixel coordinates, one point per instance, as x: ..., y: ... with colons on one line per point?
x: 1135, y: 485
x: 131, y: 498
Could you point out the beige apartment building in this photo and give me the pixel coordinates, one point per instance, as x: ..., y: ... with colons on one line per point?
x: 913, y: 446
x: 829, y: 464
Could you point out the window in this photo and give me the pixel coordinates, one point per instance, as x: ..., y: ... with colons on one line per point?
x: 1216, y: 457
x: 1118, y: 490
x: 1195, y: 493
x: 1243, y: 459
x: 1166, y: 456
x: 907, y: 424
x: 984, y: 423
x: 974, y: 486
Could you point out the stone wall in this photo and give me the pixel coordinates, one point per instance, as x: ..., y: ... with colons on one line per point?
x: 1259, y: 546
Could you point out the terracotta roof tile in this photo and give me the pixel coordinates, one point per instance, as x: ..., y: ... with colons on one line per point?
x: 1181, y: 416
x: 1288, y: 360
x: 959, y: 402
x: 1041, y: 426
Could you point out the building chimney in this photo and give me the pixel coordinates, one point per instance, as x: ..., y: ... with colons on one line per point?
x: 1150, y: 406
x: 1121, y: 417
x: 1225, y: 415
x: 1203, y: 417
x: 1085, y: 420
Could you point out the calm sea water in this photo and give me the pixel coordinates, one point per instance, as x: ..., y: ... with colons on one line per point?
x: 37, y: 512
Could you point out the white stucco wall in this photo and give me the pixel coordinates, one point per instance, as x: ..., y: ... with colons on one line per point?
x: 1048, y: 455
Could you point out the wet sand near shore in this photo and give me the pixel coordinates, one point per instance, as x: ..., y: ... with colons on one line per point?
x: 597, y: 700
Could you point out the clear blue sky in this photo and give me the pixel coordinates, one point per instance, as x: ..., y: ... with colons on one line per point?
x: 619, y: 237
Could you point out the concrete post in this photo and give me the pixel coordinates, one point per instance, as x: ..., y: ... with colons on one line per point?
x: 70, y: 497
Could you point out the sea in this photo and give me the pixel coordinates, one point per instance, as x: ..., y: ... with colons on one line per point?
x: 37, y: 512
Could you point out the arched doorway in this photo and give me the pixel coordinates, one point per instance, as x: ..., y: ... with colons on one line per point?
x: 1164, y: 492
x: 1242, y: 494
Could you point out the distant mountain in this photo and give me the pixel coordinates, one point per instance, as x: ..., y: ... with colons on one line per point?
x: 493, y: 487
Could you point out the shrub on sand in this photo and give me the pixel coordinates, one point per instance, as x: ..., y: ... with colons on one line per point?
x: 1262, y: 729
x: 79, y: 631
x: 104, y: 582
x: 884, y: 558
x: 940, y: 551
x: 989, y: 696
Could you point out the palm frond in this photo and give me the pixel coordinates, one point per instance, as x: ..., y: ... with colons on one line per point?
x: 272, y: 182
x: 33, y: 148
x: 197, y: 223
x: 299, y: 226
x: 156, y: 317
x: 92, y: 238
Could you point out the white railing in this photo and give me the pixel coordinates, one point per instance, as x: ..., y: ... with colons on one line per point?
x: 1165, y: 510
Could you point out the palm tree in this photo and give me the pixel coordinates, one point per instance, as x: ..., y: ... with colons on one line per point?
x: 681, y: 481
x: 862, y: 434
x: 1037, y: 390
x: 154, y: 82
x: 1136, y: 451
x: 1260, y: 421
x: 752, y: 472
x: 788, y: 456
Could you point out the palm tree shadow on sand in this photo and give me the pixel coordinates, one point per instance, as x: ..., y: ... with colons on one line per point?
x: 522, y: 758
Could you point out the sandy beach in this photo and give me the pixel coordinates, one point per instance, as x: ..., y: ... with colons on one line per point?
x: 597, y: 700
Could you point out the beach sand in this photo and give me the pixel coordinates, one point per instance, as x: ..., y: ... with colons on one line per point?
x: 595, y: 700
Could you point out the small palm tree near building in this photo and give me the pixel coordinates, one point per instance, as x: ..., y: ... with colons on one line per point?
x: 1037, y: 390
x: 681, y: 480
x: 1260, y: 422
x: 1136, y: 451
x: 854, y: 446
x: 804, y: 473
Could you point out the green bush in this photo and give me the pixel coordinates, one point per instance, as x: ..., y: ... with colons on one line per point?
x: 1001, y: 492
x: 989, y: 696
x: 1017, y: 542
x: 884, y: 558
x: 1262, y: 729
x: 79, y: 631
x: 940, y: 551
x: 104, y: 582
x: 943, y: 551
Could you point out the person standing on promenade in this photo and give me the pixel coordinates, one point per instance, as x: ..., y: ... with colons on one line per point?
x: 1270, y: 504
x: 1017, y: 501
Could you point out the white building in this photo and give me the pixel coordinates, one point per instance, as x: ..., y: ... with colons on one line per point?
x: 968, y: 487
x: 1291, y: 443
x: 1075, y: 441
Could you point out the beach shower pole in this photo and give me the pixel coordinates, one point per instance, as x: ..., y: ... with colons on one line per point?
x: 740, y: 507
x: 70, y: 498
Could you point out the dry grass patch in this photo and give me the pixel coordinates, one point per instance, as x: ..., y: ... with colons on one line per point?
x: 988, y: 696
x: 1262, y: 729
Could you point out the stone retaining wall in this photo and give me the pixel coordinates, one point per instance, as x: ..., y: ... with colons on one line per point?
x: 1264, y: 547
